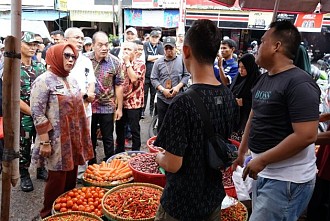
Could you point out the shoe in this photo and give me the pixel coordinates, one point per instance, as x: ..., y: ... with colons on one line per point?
x: 42, y: 173
x: 142, y: 115
x: 26, y: 183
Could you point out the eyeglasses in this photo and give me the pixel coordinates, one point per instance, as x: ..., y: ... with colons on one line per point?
x: 78, y: 38
x: 68, y: 56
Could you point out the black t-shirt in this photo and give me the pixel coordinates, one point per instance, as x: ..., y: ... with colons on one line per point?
x: 279, y: 100
x: 195, y: 190
x: 149, y: 49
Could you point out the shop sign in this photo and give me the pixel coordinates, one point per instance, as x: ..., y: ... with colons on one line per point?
x: 146, y: 18
x: 309, y: 22
x: 95, y: 16
x: 155, y: 4
x: 259, y: 20
x: 61, y: 5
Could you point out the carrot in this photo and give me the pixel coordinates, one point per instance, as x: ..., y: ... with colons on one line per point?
x: 103, y: 164
x: 124, y: 170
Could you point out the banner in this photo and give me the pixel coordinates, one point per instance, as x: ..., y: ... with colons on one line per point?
x: 309, y: 22
x: 260, y: 20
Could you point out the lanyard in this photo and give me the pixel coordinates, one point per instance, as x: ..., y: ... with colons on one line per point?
x: 154, y: 52
x: 169, y: 71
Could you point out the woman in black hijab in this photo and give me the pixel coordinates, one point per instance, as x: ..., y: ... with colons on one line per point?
x: 241, y: 88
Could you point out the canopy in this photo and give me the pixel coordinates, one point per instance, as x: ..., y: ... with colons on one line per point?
x: 307, y: 6
x: 37, y: 27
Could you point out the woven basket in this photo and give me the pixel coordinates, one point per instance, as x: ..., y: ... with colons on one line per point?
x: 106, y: 185
x: 232, y: 216
x: 63, y: 194
x: 111, y: 216
x: 82, y: 214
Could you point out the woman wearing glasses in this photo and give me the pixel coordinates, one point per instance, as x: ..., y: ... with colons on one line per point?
x: 63, y: 138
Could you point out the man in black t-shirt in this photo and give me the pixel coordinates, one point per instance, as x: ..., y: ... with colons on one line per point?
x: 281, y: 129
x: 193, y: 190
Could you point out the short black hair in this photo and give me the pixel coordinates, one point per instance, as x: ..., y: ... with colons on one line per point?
x: 230, y: 42
x: 204, y: 39
x: 138, y: 42
x: 288, y: 35
x: 115, y: 42
x: 57, y: 32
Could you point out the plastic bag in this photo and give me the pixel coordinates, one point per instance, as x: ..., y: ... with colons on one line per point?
x: 243, y: 188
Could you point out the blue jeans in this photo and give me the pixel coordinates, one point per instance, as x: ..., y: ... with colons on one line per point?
x: 275, y: 200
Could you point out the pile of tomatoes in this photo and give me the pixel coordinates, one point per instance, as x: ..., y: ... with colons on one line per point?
x: 85, y: 199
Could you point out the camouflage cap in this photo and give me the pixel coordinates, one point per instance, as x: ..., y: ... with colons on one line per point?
x: 29, y: 37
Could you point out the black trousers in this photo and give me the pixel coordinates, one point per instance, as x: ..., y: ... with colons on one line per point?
x: 106, y: 127
x: 319, y: 205
x: 161, y: 109
x: 132, y: 118
x: 147, y: 86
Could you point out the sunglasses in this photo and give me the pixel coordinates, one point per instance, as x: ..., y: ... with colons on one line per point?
x: 68, y: 56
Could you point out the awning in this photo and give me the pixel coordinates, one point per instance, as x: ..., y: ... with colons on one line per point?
x: 224, y: 19
x: 37, y: 27
x: 39, y: 15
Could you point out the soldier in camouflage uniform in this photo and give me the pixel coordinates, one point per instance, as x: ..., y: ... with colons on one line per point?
x: 30, y: 70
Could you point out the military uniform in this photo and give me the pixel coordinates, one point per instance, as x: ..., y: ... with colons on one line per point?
x: 28, y: 74
x: 27, y: 131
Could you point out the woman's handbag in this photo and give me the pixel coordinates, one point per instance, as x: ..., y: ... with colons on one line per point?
x: 220, y: 153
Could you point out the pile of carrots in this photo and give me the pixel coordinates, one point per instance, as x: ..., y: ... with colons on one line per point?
x: 115, y: 172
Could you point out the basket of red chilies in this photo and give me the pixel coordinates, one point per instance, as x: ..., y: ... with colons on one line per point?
x: 132, y: 202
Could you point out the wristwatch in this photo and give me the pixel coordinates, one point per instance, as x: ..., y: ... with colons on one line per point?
x: 128, y: 65
x: 161, y: 90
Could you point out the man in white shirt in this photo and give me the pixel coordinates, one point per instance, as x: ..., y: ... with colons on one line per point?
x: 84, y: 73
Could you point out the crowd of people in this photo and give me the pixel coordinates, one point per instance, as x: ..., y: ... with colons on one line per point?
x: 77, y: 87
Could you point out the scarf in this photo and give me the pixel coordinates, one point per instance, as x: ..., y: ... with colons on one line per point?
x: 54, y: 58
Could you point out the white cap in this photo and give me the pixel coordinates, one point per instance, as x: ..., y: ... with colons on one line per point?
x: 131, y: 29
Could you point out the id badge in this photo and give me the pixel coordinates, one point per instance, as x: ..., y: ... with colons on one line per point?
x: 168, y: 84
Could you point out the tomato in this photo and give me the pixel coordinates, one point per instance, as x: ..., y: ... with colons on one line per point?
x: 63, y: 200
x: 96, y: 204
x: 57, y: 206
x: 81, y: 208
x: 69, y: 203
x: 63, y: 205
x: 75, y: 207
x: 63, y: 209
x: 84, y: 189
x: 101, y: 195
x: 71, y: 194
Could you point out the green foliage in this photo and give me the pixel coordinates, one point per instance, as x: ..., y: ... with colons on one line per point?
x: 112, y: 37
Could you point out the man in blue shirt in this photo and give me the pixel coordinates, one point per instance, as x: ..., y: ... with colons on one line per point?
x: 225, y: 66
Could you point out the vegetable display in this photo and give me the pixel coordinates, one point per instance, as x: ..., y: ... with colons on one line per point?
x: 237, y: 212
x: 133, y: 202
x: 113, y: 173
x: 85, y: 199
x: 124, y: 156
x: 145, y: 163
x: 73, y: 216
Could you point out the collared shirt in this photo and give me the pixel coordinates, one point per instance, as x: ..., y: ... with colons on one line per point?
x: 108, y: 75
x: 83, y: 72
x: 134, y: 92
x: 230, y: 68
x: 149, y: 49
x: 168, y: 69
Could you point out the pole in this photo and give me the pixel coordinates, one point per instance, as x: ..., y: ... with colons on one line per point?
x: 277, y: 3
x: 11, y: 94
x: 113, y: 18
x: 120, y: 21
